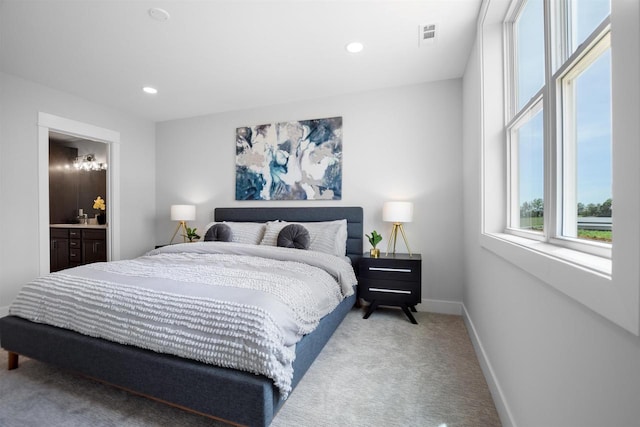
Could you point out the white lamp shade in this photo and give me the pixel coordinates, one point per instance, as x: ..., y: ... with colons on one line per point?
x: 397, y: 212
x: 183, y: 212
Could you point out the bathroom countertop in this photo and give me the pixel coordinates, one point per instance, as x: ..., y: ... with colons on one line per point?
x: 104, y: 226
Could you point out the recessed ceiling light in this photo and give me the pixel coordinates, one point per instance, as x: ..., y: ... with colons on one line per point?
x: 354, y: 47
x: 149, y: 89
x: 158, y: 14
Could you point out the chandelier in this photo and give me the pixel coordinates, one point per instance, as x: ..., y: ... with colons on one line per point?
x: 88, y: 162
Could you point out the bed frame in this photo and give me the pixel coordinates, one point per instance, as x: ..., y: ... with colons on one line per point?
x: 236, y: 397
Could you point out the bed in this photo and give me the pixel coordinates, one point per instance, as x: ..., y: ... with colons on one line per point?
x: 235, y: 396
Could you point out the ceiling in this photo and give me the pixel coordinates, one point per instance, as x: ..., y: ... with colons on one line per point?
x: 224, y: 55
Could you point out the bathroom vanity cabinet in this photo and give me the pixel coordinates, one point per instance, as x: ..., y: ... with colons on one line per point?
x: 70, y: 246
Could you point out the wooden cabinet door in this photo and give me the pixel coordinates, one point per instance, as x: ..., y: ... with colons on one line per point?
x: 94, y: 246
x: 94, y: 251
x: 58, y: 253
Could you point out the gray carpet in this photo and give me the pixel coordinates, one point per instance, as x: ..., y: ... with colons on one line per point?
x: 383, y: 371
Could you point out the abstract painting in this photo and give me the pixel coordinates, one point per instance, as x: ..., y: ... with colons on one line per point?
x: 299, y: 160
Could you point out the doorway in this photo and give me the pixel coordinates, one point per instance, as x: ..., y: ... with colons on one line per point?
x: 71, y: 129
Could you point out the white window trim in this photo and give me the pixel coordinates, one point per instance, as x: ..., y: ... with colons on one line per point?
x: 609, y: 287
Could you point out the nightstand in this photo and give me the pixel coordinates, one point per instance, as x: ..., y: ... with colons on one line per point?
x: 393, y: 279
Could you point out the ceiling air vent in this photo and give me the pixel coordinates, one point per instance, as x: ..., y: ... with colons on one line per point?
x: 427, y: 34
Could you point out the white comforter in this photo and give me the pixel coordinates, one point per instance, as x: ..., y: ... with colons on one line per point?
x: 232, y: 305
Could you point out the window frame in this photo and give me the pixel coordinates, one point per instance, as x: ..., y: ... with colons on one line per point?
x: 609, y: 287
x: 550, y: 98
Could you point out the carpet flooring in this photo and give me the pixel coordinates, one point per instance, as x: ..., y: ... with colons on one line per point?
x: 383, y: 371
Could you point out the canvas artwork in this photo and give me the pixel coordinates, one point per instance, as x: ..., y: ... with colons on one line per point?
x: 299, y: 160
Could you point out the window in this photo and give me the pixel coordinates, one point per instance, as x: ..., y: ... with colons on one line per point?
x: 607, y: 284
x: 559, y: 123
x: 587, y: 194
x: 528, y: 166
x: 585, y: 17
x: 529, y: 49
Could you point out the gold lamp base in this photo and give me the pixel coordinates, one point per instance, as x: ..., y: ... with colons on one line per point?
x: 183, y: 225
x: 394, y: 237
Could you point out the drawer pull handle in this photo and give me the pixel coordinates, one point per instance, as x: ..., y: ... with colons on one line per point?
x: 395, y: 270
x: 389, y: 291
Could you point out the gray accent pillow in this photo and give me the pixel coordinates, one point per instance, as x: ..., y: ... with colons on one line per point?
x: 294, y: 236
x: 218, y: 233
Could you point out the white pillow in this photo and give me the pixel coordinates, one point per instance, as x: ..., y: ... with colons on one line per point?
x: 271, y: 231
x: 243, y: 232
x: 326, y: 236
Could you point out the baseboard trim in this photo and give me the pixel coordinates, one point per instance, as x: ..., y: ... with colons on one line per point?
x: 506, y: 417
x: 440, y: 306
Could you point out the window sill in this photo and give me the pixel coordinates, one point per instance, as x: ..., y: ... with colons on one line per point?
x: 586, y: 278
x: 588, y: 262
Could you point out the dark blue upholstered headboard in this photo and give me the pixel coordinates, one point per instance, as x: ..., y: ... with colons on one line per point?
x: 353, y: 215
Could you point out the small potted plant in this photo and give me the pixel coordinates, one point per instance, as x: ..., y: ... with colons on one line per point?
x: 374, y: 239
x: 191, y: 234
x: 100, y: 206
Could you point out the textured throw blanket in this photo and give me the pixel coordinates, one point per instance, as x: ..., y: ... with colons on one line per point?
x: 232, y: 305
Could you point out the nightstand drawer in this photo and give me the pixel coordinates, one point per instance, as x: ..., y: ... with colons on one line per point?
x: 390, y: 270
x: 75, y: 243
x: 391, y: 292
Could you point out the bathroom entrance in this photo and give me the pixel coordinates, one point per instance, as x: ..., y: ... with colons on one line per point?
x: 67, y: 235
x: 77, y: 201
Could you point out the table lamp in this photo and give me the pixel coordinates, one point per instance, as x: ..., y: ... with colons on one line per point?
x: 397, y: 213
x: 182, y: 213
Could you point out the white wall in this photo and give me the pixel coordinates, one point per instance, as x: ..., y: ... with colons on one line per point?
x: 549, y: 360
x: 20, y: 103
x: 401, y: 143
